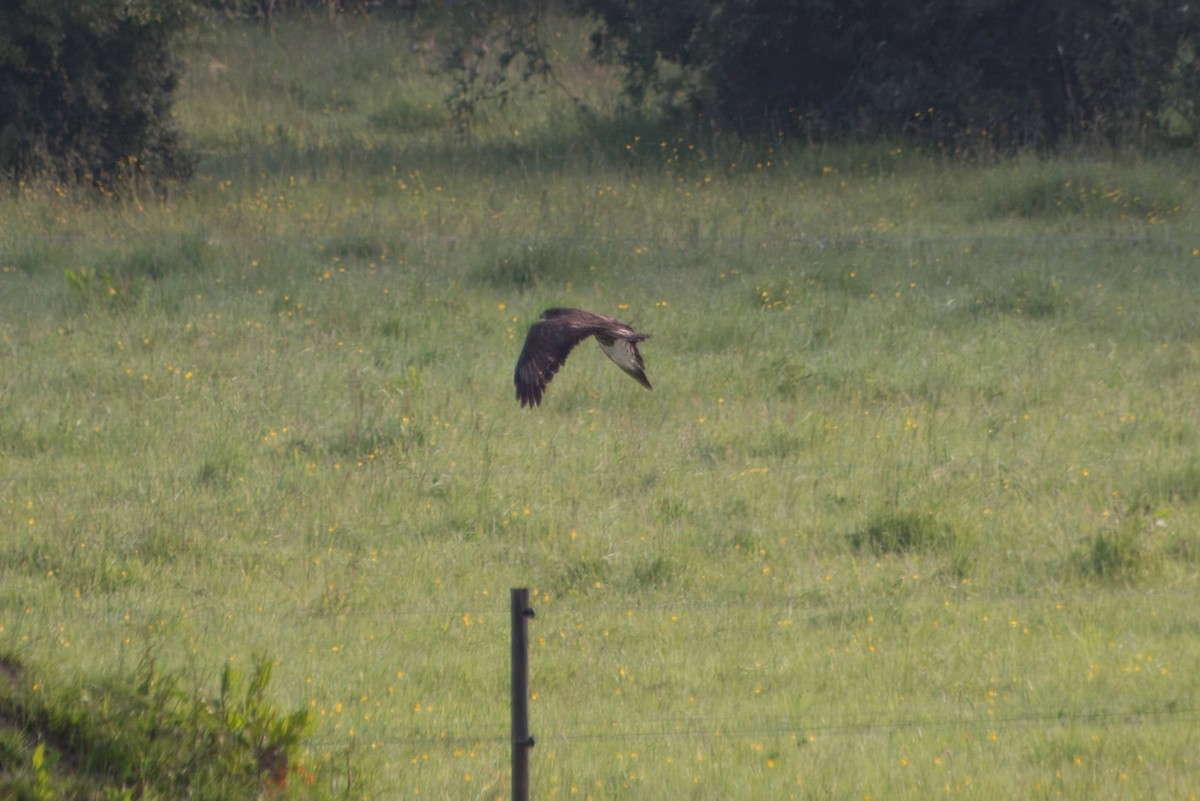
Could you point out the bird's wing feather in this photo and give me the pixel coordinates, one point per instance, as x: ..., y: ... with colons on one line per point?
x: 547, y: 346
x: 624, y: 352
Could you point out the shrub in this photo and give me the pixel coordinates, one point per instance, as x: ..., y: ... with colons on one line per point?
x: 86, y: 90
x: 145, y: 739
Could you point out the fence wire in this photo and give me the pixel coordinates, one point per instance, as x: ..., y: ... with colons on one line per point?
x: 709, y: 728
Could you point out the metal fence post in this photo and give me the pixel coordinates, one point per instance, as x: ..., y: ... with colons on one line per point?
x: 522, y: 742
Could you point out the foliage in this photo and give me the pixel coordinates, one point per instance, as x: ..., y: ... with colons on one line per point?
x: 270, y: 10
x: 115, y: 739
x: 490, y: 42
x: 966, y: 76
x: 86, y: 90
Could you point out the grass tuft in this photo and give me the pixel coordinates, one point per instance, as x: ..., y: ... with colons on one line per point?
x: 656, y: 573
x: 93, y: 290
x: 901, y: 532
x: 405, y: 117
x: 1169, y: 486
x: 1031, y: 295
x: 524, y: 267
x: 1117, y: 555
x: 581, y: 575
x: 1053, y: 192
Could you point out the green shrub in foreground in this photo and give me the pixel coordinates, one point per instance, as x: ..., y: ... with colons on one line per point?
x: 150, y: 739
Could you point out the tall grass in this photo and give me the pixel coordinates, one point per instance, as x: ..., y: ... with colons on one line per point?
x: 911, y: 511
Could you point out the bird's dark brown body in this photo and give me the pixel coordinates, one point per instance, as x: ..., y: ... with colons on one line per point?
x: 551, y: 339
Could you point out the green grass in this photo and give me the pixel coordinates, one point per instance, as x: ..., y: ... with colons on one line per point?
x: 913, y: 510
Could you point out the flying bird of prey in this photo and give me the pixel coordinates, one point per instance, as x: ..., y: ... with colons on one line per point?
x: 551, y: 339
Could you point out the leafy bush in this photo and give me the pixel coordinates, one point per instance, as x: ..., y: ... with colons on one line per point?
x: 488, y: 40
x: 149, y: 740
x: 86, y: 90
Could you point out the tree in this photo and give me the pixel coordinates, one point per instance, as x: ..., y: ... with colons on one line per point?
x: 1016, y: 71
x: 86, y: 89
x: 490, y: 40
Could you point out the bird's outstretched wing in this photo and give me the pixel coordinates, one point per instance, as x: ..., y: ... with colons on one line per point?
x: 547, y: 346
x: 552, y: 338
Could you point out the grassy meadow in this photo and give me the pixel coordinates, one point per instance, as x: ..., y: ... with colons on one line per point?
x: 913, y: 509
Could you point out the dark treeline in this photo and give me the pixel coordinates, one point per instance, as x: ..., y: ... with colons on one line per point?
x: 1006, y: 73
x: 267, y: 10
x: 86, y: 88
